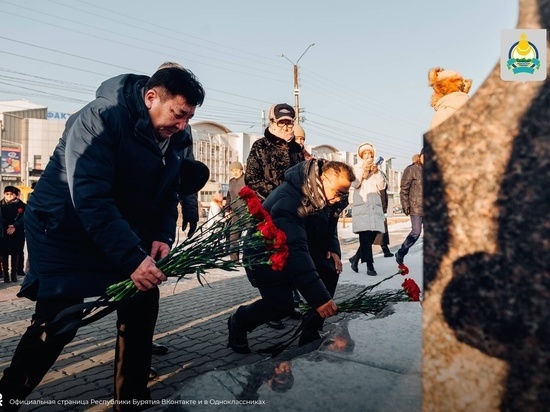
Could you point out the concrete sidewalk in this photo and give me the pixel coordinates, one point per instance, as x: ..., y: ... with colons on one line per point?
x: 192, y: 323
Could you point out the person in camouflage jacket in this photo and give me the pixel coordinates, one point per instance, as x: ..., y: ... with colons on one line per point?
x: 271, y: 156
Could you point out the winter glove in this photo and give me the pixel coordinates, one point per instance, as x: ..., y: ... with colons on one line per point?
x: 192, y: 227
x: 407, y: 210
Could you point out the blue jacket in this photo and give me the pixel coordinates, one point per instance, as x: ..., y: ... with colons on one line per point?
x: 106, y: 194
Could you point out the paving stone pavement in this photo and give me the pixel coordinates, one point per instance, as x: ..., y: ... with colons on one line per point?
x: 192, y: 323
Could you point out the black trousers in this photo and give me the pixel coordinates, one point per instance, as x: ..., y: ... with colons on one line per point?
x: 278, y: 301
x: 38, y: 350
x: 366, y: 240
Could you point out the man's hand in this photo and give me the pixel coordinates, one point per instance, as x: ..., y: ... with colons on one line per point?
x: 192, y: 227
x: 337, y: 261
x: 10, y: 230
x: 327, y: 309
x: 407, y: 210
x: 159, y: 250
x: 147, y: 275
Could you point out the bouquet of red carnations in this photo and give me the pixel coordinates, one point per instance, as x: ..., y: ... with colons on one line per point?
x: 368, y: 302
x: 208, y: 248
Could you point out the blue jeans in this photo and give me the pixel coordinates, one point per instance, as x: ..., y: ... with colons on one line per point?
x: 410, y: 240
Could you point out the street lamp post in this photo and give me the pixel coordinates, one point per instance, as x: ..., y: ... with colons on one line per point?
x: 296, y: 85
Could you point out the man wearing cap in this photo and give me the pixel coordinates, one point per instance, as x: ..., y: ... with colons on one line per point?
x: 412, y: 203
x: 271, y: 156
x: 236, y: 183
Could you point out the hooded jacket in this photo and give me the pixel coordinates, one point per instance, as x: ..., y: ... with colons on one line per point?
x: 311, y: 229
x: 106, y: 194
x: 367, y: 210
x: 269, y: 158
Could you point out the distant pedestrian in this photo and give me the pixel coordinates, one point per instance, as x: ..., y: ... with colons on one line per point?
x: 13, y: 230
x: 367, y: 211
x: 215, y: 209
x: 236, y: 183
x: 300, y: 138
x: 412, y: 204
x: 450, y: 93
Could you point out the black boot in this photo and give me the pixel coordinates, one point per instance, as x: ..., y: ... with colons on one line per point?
x: 354, y: 260
x: 237, y: 340
x: 370, y: 270
x: 14, y: 264
x: 6, y: 277
x: 386, y: 251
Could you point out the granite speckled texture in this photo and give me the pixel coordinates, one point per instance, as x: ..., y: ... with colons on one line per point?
x: 486, y: 344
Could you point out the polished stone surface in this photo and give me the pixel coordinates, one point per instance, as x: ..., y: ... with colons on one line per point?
x: 364, y: 363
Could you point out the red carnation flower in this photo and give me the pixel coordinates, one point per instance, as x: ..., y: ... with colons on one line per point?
x: 404, y: 270
x: 278, y: 259
x: 268, y: 229
x: 20, y: 210
x: 412, y: 289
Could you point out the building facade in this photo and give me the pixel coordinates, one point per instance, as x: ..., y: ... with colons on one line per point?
x: 30, y: 133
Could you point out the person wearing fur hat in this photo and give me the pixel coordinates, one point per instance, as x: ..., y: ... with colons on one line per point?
x: 450, y: 93
x: 367, y: 210
x: 236, y: 183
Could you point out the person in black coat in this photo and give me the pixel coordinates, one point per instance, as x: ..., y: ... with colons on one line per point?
x: 104, y: 210
x: 13, y: 233
x: 306, y: 208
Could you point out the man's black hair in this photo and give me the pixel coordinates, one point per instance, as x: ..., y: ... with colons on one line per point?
x: 178, y: 82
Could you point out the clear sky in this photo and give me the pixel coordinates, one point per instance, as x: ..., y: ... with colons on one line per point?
x: 365, y: 79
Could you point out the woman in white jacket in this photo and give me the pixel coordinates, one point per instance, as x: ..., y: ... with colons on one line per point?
x: 367, y: 212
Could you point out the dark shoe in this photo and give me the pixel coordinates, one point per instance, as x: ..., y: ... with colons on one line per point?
x: 153, y: 374
x: 14, y: 277
x: 275, y: 324
x: 308, y: 336
x: 371, y: 271
x: 159, y: 349
x: 296, y: 314
x: 387, y: 252
x: 399, y: 258
x: 237, y: 339
x: 354, y: 260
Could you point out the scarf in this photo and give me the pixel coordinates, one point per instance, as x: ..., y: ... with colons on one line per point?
x: 313, y: 188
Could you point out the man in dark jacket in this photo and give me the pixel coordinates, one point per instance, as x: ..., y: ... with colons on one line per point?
x: 303, y: 208
x: 411, y: 201
x: 104, y: 210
